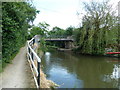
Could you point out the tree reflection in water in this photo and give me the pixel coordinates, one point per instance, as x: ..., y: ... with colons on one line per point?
x: 114, y: 76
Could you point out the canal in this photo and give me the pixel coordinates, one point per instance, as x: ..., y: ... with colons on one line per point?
x: 70, y: 70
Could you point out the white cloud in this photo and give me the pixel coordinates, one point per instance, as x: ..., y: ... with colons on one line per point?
x: 61, y: 13
x: 62, y: 17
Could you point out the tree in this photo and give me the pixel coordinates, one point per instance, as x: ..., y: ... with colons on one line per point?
x: 15, y: 22
x: 40, y: 29
x: 35, y: 31
x: 69, y: 31
x: 57, y: 32
x: 98, y: 27
x: 44, y: 26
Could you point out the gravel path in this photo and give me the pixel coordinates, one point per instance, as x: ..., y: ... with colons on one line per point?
x: 18, y: 74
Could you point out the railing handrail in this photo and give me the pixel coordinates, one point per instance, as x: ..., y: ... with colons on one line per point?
x: 34, y: 53
x: 31, y: 54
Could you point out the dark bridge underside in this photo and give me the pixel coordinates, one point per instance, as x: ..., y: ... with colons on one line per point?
x: 62, y: 43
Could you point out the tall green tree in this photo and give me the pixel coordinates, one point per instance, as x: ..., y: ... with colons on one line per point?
x: 99, y: 28
x: 16, y: 17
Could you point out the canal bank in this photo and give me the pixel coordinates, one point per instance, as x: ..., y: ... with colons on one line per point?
x: 44, y: 83
x: 107, y: 51
x: 70, y: 70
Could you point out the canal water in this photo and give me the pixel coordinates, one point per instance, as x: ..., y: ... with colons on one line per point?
x: 70, y: 70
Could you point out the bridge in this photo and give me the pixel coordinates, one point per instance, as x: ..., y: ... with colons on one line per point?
x: 18, y: 74
x: 59, y: 39
x: 62, y: 41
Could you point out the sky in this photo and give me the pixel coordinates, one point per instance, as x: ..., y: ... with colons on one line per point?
x: 61, y: 13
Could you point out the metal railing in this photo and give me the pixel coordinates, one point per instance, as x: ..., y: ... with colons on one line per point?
x: 34, y: 60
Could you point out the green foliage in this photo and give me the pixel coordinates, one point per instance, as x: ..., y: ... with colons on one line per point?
x: 15, y: 21
x: 35, y: 31
x: 41, y: 29
x: 56, y: 31
x: 99, y: 30
x: 44, y: 26
x: 77, y: 34
x: 59, y: 32
x: 43, y: 46
x: 69, y: 31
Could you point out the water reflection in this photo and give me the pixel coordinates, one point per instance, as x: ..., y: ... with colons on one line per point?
x: 78, y: 71
x: 114, y: 76
x: 116, y: 72
x: 47, y: 57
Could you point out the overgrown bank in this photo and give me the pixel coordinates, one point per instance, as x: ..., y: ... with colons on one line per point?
x: 99, y: 32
